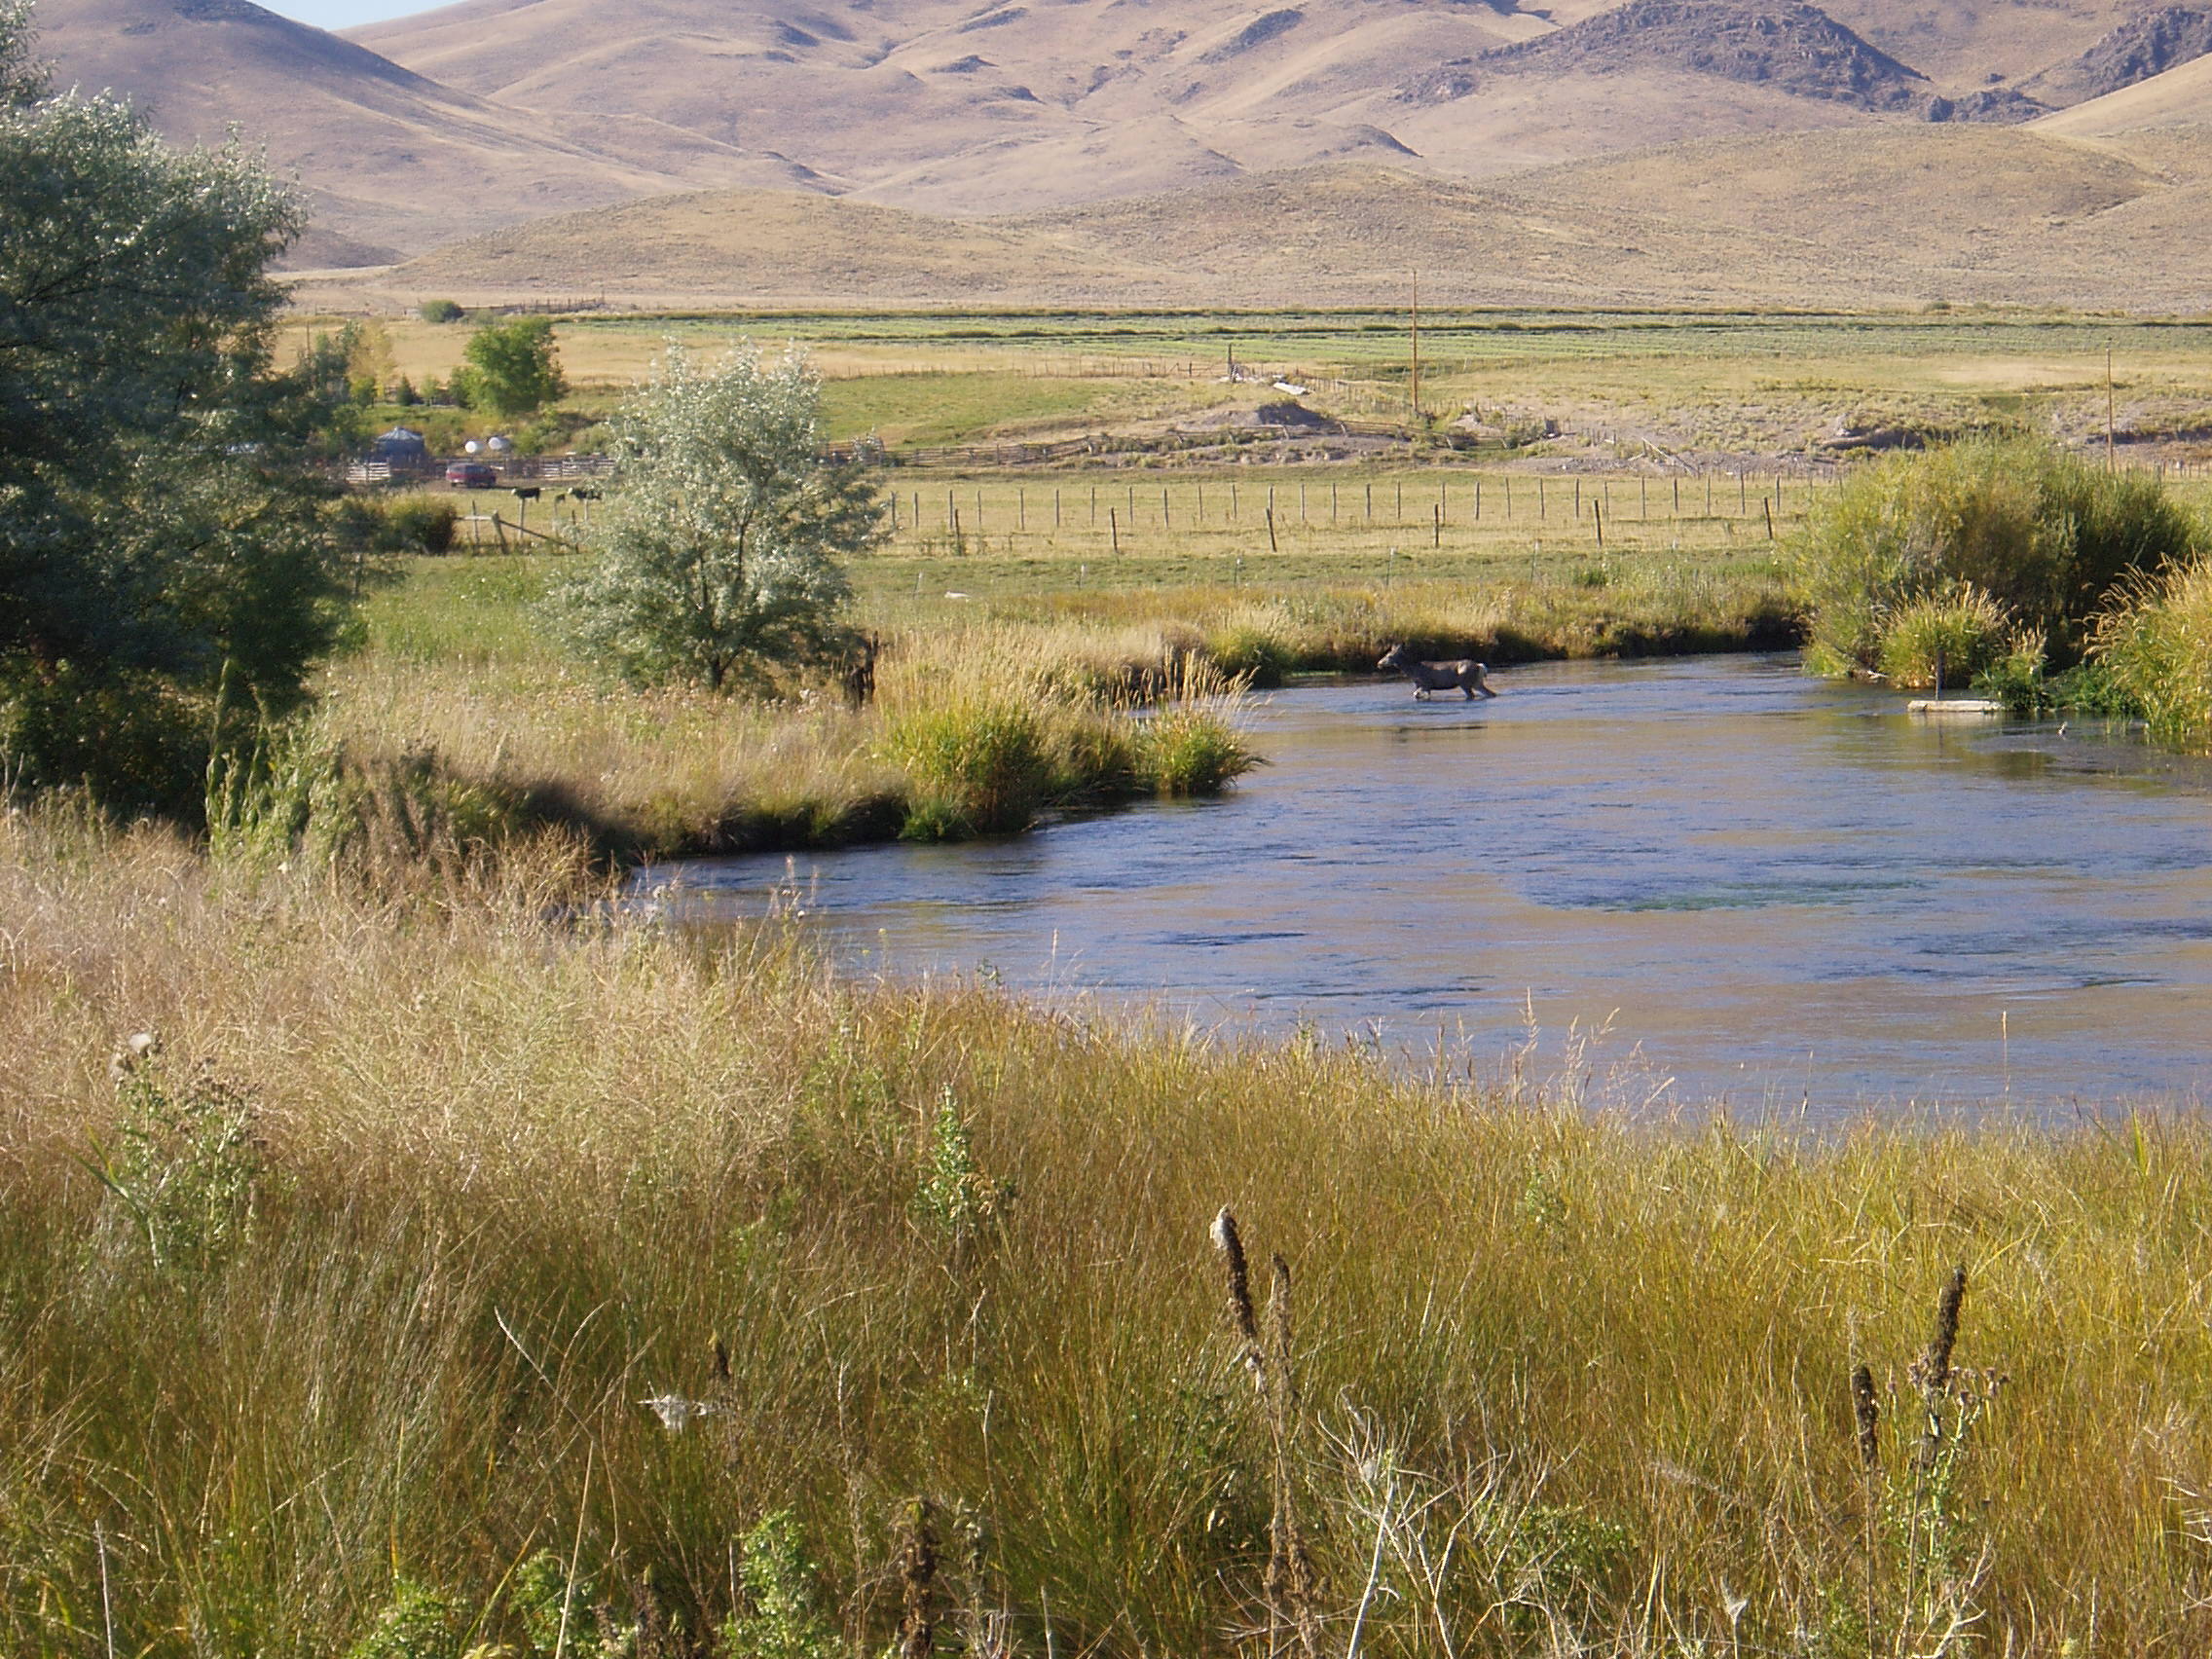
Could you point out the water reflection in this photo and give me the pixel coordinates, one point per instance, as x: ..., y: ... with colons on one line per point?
x: 1766, y: 887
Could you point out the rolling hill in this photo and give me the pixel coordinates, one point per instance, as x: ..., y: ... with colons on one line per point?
x: 391, y: 160
x: 493, y: 114
x: 1863, y: 217
x: 976, y: 106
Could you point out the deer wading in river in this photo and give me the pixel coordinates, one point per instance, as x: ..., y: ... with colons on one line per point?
x: 1427, y: 676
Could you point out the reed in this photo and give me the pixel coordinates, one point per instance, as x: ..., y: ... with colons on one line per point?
x: 2153, y: 646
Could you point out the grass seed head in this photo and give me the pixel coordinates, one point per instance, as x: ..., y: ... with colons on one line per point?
x: 1231, y: 1244
x: 1867, y: 1414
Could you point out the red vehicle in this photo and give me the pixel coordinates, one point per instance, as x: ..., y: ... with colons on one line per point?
x: 471, y: 476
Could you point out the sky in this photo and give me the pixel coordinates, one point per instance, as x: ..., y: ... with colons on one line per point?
x: 343, y: 14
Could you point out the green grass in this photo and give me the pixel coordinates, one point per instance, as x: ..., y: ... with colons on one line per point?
x: 1706, y: 385
x: 976, y: 406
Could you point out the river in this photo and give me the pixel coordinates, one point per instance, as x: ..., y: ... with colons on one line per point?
x: 1688, y: 881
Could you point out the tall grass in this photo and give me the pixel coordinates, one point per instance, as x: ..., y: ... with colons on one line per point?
x: 2155, y: 646
x: 523, y: 1243
x: 973, y: 730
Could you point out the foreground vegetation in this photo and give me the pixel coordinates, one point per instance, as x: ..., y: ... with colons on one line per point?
x: 460, y: 1263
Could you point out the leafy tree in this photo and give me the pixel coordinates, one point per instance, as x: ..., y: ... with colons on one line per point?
x: 164, y: 570
x: 513, y: 367
x: 720, y: 557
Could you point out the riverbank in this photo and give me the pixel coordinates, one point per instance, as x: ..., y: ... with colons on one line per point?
x: 499, y: 1244
x: 451, y: 697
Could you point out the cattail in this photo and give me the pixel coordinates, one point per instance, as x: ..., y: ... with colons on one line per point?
x: 1867, y: 1415
x: 721, y: 1360
x: 1937, y: 1373
x: 917, y: 1578
x: 1232, y: 1247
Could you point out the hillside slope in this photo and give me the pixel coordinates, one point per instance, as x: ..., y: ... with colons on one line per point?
x: 391, y: 159
x: 2179, y: 97
x: 972, y: 106
x: 419, y: 133
x: 1766, y: 222
x: 2141, y: 47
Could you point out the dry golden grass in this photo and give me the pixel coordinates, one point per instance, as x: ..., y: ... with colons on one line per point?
x: 1564, y: 1380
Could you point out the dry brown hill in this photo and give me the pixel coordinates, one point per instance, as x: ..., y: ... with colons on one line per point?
x: 391, y: 160
x: 762, y: 244
x: 2179, y: 97
x: 420, y: 132
x: 974, y: 106
x: 1867, y: 217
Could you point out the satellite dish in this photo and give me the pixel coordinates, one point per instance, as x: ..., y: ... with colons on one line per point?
x: 472, y: 446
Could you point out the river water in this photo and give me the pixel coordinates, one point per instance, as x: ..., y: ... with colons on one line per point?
x: 1690, y: 880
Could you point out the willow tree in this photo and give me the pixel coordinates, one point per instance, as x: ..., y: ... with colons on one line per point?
x: 719, y: 559
x: 163, y: 568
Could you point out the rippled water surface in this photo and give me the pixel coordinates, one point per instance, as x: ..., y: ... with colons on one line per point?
x: 1760, y: 887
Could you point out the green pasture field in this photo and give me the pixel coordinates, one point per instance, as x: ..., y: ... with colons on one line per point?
x: 1719, y: 384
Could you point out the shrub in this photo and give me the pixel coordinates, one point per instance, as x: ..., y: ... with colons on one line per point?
x: 441, y: 311
x: 2042, y: 534
x: 1943, y: 639
x: 784, y: 1618
x: 186, y: 1167
x: 422, y: 524
x: 721, y: 558
x: 417, y: 1622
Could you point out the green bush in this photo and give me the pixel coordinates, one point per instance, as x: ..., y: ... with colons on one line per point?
x: 422, y: 524
x: 1253, y: 654
x: 441, y: 311
x: 2042, y: 532
x: 978, y: 768
x: 782, y: 1618
x: 417, y: 1622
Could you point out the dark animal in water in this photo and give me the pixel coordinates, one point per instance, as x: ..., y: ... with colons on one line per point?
x: 1427, y: 676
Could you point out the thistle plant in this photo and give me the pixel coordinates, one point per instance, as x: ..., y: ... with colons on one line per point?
x: 954, y: 1195
x: 186, y: 1167
x: 783, y: 1616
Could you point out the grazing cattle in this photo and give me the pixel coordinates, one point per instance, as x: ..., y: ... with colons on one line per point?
x: 528, y: 492
x: 1427, y: 676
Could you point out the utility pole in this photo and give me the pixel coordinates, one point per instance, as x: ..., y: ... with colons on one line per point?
x: 1417, y: 348
x: 2109, y: 409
